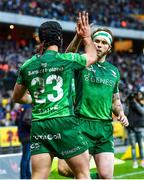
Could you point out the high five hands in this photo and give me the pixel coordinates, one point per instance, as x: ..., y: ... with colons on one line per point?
x: 83, y: 28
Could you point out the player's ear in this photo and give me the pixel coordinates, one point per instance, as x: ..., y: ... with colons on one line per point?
x: 109, y: 49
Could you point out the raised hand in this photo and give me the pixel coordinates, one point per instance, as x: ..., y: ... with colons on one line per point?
x: 83, y: 28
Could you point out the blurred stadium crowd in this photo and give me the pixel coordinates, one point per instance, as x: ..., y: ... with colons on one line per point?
x: 116, y: 13
x: 102, y: 12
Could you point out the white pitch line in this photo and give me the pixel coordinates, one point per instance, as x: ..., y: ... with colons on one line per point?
x: 10, y: 155
x: 129, y: 174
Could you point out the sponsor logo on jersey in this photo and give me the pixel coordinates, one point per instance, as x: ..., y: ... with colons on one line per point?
x: 44, y: 70
x: 44, y: 65
x: 99, y: 80
x: 49, y: 110
x: 53, y: 69
x: 90, y: 68
x: 37, y: 71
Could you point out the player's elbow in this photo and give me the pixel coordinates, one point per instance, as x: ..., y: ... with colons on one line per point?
x: 91, y: 60
x: 14, y: 98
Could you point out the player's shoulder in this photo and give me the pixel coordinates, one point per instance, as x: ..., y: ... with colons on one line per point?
x: 67, y: 56
x: 27, y: 62
x: 113, y: 69
x: 112, y: 66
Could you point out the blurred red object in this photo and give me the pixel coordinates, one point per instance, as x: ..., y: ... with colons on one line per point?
x: 123, y: 23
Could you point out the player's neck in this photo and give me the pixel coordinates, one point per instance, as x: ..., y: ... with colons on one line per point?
x: 53, y: 48
x: 102, y: 59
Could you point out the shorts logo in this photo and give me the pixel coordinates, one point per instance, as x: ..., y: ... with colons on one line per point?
x: 35, y: 146
x: 49, y: 137
x: 70, y: 151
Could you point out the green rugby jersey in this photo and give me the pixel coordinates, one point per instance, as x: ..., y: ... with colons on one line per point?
x: 48, y: 79
x: 95, y: 87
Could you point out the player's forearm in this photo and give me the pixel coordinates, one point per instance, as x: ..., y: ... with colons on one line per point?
x: 20, y: 94
x: 90, y: 50
x: 117, y: 107
x: 26, y: 99
x: 74, y: 45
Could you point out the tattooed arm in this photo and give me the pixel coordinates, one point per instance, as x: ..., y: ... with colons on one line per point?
x: 117, y: 109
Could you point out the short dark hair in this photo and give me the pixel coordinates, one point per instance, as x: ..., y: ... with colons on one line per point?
x: 103, y: 29
x: 50, y: 33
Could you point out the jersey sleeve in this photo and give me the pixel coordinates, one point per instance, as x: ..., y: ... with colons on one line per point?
x: 78, y: 61
x: 116, y: 88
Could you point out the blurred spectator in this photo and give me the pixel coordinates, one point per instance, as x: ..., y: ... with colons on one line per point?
x: 2, y: 115
x: 120, y: 14
x: 24, y: 126
x: 131, y: 69
x: 136, y: 125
